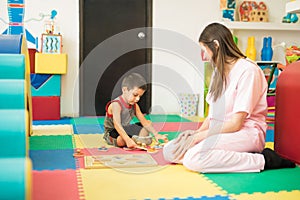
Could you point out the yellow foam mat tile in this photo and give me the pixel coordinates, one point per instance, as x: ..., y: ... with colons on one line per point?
x: 282, y: 195
x: 269, y: 145
x: 164, y: 182
x: 89, y: 141
x: 195, y: 118
x: 39, y: 130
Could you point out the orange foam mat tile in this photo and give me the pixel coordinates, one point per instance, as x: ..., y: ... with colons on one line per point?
x: 89, y: 141
x: 153, y: 182
x: 282, y: 195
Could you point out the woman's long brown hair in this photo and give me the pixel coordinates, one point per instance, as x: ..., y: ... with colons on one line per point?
x: 225, y: 53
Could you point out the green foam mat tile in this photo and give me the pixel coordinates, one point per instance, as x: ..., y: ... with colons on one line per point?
x: 271, y: 124
x: 87, y: 120
x: 51, y: 142
x: 265, y: 181
x: 164, y: 118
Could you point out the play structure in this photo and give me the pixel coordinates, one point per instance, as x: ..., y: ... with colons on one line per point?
x: 15, y: 118
x: 47, y: 67
x: 287, y: 129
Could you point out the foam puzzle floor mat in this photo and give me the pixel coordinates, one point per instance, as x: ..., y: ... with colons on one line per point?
x: 57, y: 174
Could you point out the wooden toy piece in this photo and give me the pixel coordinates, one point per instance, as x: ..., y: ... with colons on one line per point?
x: 143, y: 147
x: 258, y: 16
x: 103, y: 148
x: 250, y: 11
x: 78, y: 154
x: 166, y: 140
x: 152, y: 150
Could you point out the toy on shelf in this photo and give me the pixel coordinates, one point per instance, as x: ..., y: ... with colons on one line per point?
x: 250, y: 11
x: 292, y: 54
x: 251, y: 51
x: 290, y: 18
x: 228, y: 9
x: 267, y: 51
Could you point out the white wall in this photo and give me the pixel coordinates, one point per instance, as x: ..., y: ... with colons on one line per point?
x: 174, y: 70
x: 187, y: 18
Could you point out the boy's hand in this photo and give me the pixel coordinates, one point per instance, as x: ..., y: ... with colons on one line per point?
x: 161, y: 137
x: 130, y: 143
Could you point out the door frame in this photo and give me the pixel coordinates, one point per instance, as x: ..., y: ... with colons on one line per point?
x: 148, y: 51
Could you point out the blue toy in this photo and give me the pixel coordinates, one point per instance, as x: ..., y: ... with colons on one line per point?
x: 267, y: 51
x: 290, y: 18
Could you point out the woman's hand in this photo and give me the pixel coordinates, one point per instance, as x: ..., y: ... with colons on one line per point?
x: 184, y: 135
x: 185, y: 141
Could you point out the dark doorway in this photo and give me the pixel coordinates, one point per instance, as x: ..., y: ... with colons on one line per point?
x: 112, y: 32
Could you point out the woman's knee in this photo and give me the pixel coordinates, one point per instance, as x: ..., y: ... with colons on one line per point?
x: 195, y: 161
x: 168, y: 152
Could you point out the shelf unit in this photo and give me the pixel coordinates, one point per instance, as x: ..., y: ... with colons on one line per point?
x: 293, y: 7
x: 262, y: 26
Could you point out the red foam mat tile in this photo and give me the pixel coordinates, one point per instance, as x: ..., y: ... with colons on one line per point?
x: 57, y: 184
x: 176, y: 126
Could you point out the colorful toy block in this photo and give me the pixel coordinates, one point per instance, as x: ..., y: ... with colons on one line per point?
x: 46, y: 108
x: 50, y: 63
x: 45, y: 85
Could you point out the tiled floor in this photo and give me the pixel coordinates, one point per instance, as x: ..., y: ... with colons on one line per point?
x: 58, y: 175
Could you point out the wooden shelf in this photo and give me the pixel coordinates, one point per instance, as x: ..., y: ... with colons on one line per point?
x: 262, y: 26
x: 292, y: 7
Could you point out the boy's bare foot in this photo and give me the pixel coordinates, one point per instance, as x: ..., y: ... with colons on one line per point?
x: 140, y: 139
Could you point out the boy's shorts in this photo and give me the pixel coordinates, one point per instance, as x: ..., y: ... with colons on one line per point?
x: 131, y: 130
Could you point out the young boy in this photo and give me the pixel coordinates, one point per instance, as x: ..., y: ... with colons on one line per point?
x: 120, y: 111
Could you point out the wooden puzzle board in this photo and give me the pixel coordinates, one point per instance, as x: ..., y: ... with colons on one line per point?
x: 118, y: 161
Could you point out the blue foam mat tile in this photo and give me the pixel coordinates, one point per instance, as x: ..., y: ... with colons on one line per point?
x: 52, y: 159
x: 88, y: 129
x: 217, y: 197
x: 52, y: 122
x: 270, y: 135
